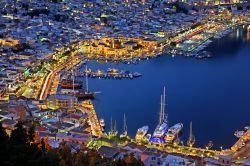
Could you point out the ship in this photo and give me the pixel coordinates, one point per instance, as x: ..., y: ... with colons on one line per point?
x: 82, y: 94
x: 162, y: 127
x: 173, y: 132
x: 70, y: 84
x: 141, y: 133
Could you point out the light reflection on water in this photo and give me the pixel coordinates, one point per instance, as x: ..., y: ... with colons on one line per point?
x: 248, y: 33
x: 213, y: 93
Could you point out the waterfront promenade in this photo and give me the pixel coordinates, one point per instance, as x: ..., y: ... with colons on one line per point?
x: 88, y: 108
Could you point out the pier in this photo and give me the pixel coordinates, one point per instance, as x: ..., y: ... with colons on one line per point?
x: 110, y: 74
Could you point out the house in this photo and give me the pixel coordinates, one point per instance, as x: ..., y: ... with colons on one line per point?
x: 225, y: 160
x: 9, y: 125
x: 172, y: 160
x: 109, y: 152
x: 8, y: 115
x: 149, y: 158
x: 19, y: 110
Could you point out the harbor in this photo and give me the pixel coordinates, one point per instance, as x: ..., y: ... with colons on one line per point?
x: 111, y: 73
x: 203, y: 72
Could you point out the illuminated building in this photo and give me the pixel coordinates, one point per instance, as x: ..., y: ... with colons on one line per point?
x: 9, y: 42
x: 119, y: 47
x: 61, y: 101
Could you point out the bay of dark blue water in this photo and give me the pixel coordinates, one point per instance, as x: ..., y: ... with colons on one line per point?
x: 212, y: 93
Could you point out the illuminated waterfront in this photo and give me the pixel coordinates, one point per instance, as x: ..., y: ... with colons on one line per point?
x: 213, y: 93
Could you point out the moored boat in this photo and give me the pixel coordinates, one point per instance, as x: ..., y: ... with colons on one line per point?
x: 173, y: 132
x: 238, y: 133
x: 162, y: 127
x: 102, y: 123
x: 70, y: 84
x: 82, y: 94
x: 141, y: 133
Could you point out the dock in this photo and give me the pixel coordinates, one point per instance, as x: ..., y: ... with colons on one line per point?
x: 110, y: 74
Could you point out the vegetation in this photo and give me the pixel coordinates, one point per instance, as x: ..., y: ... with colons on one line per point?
x: 21, y: 148
x: 24, y: 148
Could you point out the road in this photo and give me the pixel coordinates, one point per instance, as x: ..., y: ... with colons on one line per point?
x: 46, y: 87
x: 187, y: 151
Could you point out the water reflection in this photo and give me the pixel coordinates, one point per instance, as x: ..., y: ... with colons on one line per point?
x: 213, y: 93
x: 248, y: 33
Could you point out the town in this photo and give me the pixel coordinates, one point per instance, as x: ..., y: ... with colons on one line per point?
x: 46, y: 46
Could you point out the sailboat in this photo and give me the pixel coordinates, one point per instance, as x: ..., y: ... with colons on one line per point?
x: 191, y: 139
x: 69, y: 85
x: 162, y: 127
x: 79, y: 93
x: 125, y: 128
x: 113, y: 131
x: 85, y: 94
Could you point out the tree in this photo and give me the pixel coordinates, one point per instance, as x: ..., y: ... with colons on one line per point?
x: 4, y: 138
x: 132, y: 161
x: 19, y: 135
x: 45, y: 144
x: 31, y: 134
x: 4, y: 142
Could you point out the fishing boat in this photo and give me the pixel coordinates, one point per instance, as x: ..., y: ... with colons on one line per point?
x: 162, y: 127
x: 141, y: 133
x: 173, y: 132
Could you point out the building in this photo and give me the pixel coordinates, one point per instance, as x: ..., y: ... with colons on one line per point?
x: 56, y: 101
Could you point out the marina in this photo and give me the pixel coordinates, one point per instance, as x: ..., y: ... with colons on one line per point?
x: 209, y: 77
x: 111, y: 73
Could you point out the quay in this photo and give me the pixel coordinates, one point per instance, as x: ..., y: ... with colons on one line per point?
x: 87, y: 107
x: 242, y: 141
x: 46, y: 88
x: 187, y: 151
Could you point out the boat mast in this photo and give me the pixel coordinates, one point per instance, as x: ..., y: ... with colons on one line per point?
x: 160, y: 116
x: 111, y: 125
x: 164, y: 117
x: 191, y: 139
x: 115, y: 126
x: 125, y: 128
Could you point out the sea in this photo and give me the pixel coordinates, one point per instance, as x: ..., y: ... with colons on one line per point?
x: 213, y: 93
